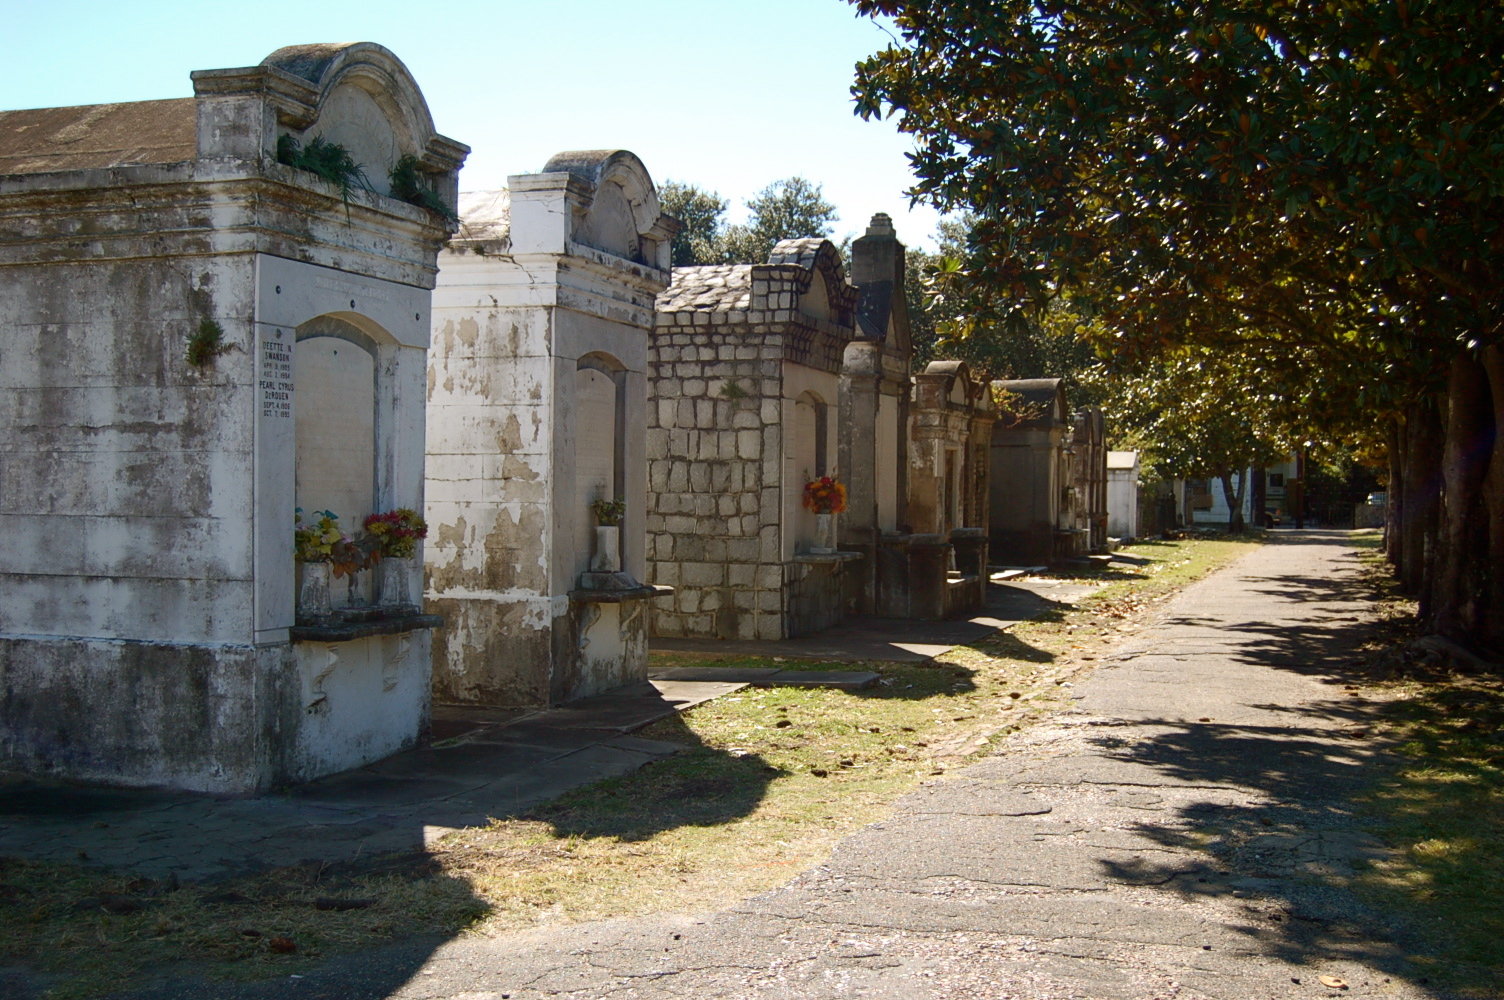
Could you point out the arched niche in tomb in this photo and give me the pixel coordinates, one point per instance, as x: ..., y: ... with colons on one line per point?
x: 815, y: 303
x: 340, y: 388
x: 599, y: 444
x: 811, y: 451
x: 824, y: 294
x: 352, y: 117
x: 609, y: 225
x: 889, y: 503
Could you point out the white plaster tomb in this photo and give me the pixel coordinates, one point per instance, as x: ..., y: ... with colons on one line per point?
x: 537, y: 397
x: 147, y: 589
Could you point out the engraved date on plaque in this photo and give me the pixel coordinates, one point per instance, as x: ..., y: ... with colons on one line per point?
x: 275, y: 379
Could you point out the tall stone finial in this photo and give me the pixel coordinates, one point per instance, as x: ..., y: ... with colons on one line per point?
x: 881, y: 225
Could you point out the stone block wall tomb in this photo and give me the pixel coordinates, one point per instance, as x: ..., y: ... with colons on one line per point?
x: 744, y: 388
x: 537, y: 387
x: 147, y: 588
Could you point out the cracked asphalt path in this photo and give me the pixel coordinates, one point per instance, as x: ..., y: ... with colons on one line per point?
x: 1181, y: 833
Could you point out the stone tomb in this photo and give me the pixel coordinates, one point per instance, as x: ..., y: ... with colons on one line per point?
x: 1088, y: 496
x: 537, y: 391
x: 874, y: 411
x: 147, y: 635
x: 744, y: 372
x: 1122, y: 495
x: 913, y: 453
x: 1030, y: 515
x: 941, y: 569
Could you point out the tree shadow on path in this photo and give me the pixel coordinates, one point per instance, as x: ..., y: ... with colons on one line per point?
x: 1277, y: 800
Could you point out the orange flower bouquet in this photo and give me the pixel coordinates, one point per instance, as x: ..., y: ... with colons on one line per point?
x: 826, y: 495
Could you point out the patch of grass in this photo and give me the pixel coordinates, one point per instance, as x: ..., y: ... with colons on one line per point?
x: 775, y: 777
x: 770, y: 780
x: 1442, y: 808
x: 93, y: 932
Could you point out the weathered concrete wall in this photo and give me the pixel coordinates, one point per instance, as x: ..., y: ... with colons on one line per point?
x: 816, y: 591
x: 183, y: 716
x: 537, y: 388
x: 349, y: 703
x: 1030, y: 471
x: 741, y: 356
x: 127, y: 472
x: 145, y: 611
x: 209, y: 719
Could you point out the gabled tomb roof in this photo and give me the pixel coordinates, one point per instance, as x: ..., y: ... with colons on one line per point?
x: 1043, y: 402
x: 89, y: 136
x: 877, y: 268
x: 709, y: 288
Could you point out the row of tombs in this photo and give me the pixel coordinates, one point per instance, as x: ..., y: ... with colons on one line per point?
x: 201, y: 334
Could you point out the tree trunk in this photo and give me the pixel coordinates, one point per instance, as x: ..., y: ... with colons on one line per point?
x: 1490, y: 630
x: 1394, y: 508
x: 1422, y: 485
x: 1462, y: 541
x: 1234, y: 502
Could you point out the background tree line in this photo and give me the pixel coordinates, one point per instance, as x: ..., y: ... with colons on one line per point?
x: 786, y: 209
x: 1293, y: 204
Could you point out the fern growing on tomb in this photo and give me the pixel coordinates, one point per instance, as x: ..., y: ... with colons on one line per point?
x: 414, y: 185
x: 327, y: 160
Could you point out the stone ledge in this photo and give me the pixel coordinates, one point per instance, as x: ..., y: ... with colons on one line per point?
x: 829, y: 557
x: 643, y: 593
x: 346, y: 631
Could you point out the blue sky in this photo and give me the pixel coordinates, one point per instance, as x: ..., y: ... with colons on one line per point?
x: 729, y: 94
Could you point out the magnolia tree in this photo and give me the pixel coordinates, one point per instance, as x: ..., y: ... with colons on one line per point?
x: 1316, y: 177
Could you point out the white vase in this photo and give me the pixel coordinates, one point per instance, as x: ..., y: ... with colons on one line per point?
x: 314, y: 601
x: 607, y: 558
x: 825, y: 534
x: 393, y: 574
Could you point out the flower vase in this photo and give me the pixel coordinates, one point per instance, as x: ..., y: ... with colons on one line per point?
x: 825, y: 534
x: 607, y: 558
x: 315, y: 603
x: 393, y: 574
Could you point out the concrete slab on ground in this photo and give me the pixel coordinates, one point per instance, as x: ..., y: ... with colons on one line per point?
x: 893, y: 640
x: 485, y: 763
x: 843, y: 680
